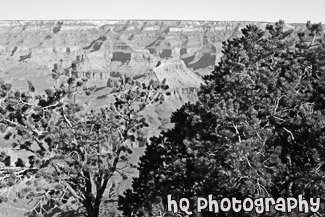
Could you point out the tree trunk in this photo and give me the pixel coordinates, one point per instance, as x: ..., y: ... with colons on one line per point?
x: 92, y: 211
x: 93, y: 208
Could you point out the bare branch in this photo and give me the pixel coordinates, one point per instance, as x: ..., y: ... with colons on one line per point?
x: 292, y: 137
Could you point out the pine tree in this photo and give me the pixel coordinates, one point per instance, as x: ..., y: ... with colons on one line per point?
x: 73, y: 154
x: 257, y: 129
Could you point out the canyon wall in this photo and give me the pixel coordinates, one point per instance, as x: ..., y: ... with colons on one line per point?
x: 177, y: 50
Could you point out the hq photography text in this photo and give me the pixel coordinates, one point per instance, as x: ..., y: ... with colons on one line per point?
x: 259, y: 205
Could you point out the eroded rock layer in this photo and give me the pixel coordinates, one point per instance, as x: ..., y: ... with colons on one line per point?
x: 172, y: 49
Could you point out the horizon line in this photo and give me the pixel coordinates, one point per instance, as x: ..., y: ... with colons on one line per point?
x: 193, y: 20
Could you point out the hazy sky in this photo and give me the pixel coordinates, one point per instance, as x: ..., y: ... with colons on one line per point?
x: 251, y: 10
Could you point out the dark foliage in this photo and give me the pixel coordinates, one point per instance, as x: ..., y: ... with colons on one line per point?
x: 74, y: 155
x: 258, y: 129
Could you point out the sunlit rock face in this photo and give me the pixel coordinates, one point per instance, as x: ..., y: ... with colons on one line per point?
x: 178, y: 50
x: 108, y: 52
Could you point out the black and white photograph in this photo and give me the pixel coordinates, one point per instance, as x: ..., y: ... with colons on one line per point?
x: 170, y: 108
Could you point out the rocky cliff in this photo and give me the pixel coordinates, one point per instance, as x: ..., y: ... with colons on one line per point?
x: 31, y: 48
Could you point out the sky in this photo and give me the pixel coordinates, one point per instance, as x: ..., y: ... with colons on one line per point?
x: 291, y: 11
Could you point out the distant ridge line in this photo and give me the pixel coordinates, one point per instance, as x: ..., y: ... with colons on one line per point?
x: 171, y: 20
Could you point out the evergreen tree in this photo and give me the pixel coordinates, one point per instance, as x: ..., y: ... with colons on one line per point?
x: 257, y: 129
x: 73, y: 154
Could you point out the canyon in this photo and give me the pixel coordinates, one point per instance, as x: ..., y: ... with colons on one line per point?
x: 180, y: 51
x: 107, y: 52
